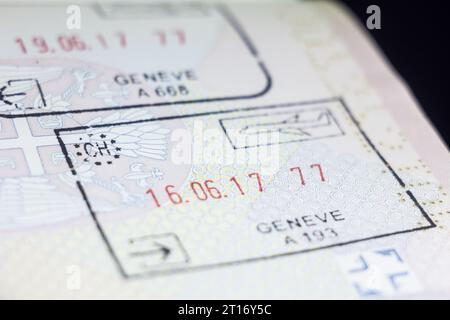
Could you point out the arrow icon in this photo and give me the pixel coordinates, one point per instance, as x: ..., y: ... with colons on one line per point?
x: 159, y: 249
x: 3, y: 96
x: 22, y: 85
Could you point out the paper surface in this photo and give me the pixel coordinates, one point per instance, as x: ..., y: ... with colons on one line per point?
x: 213, y: 151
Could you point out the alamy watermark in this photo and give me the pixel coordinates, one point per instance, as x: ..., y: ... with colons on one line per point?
x: 374, y: 20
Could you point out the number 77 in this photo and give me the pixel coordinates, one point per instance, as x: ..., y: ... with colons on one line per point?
x: 300, y: 173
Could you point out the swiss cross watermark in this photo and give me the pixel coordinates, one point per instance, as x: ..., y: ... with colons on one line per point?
x: 373, y: 22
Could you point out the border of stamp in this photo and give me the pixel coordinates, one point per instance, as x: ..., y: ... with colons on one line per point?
x: 241, y: 33
x: 117, y: 261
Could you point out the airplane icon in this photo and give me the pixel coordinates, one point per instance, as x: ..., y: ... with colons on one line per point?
x: 284, y: 127
x: 293, y: 124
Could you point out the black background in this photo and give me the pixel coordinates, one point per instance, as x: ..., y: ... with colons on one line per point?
x: 414, y: 36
